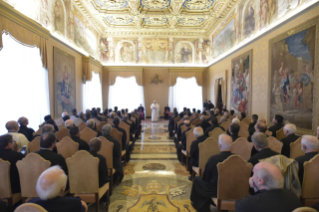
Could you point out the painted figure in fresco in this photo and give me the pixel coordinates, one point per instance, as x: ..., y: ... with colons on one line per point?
x: 307, y: 85
x: 263, y: 13
x: 185, y: 52
x: 250, y: 20
x: 64, y: 91
x: 126, y: 52
x: 58, y: 16
x: 285, y: 84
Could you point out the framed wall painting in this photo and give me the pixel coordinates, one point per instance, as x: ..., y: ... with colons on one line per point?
x: 64, y: 82
x: 240, y: 85
x: 293, y: 64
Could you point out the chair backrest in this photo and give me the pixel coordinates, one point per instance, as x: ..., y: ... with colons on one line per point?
x: 190, y: 137
x: 179, y: 122
x: 34, y: 145
x: 100, y: 126
x: 62, y: 133
x: 305, y: 209
x: 60, y: 122
x: 274, y: 144
x: 83, y: 173
x: 5, y: 185
x: 38, y: 132
x: 110, y: 121
x: 30, y: 207
x: 133, y: 119
x: 61, y: 126
x: 73, y: 118
x: 218, y: 118
x: 97, y: 122
x: 107, y: 151
x: 196, y: 122
x: 280, y: 134
x: 295, y: 149
x: 206, y: 149
x: 242, y: 147
x: 226, y: 124
x: 87, y: 134
x: 216, y: 132
x: 30, y: 168
x: 175, y: 121
x: 310, y: 183
x: 126, y: 127
x: 243, y: 132
x: 243, y: 125
x: 183, y: 128
x: 67, y: 147
x: 269, y: 133
x: 117, y: 135
x: 233, y: 178
x: 78, y: 121
x: 82, y: 126
x: 247, y: 121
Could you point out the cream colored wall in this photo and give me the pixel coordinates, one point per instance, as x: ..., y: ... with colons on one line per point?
x: 260, y: 76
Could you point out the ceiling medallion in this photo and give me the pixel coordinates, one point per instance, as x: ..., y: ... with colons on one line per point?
x: 190, y: 21
x: 123, y: 20
x: 155, y: 20
x: 155, y: 4
x: 198, y: 4
x: 112, y: 4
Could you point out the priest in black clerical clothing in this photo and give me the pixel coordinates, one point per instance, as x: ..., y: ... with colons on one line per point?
x: 260, y: 142
x: 254, y: 119
x: 182, y: 143
x: 194, y: 151
x: 205, y: 105
x: 167, y: 111
x: 214, y: 124
x: 270, y: 195
x: 205, y: 188
x: 277, y: 120
x: 233, y: 131
x: 309, y: 145
x: 210, y: 105
x: 171, y: 124
x: 141, y: 111
x: 24, y: 129
x: 125, y: 146
x: 75, y: 136
x: 290, y: 131
x: 75, y: 113
x: 91, y: 124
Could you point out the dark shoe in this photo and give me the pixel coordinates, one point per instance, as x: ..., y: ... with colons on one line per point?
x: 190, y: 178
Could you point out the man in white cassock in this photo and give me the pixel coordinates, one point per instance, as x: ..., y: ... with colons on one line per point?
x: 155, y: 111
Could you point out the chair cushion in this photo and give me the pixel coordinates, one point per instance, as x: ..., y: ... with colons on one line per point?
x: 184, y: 152
x: 123, y: 152
x: 196, y: 169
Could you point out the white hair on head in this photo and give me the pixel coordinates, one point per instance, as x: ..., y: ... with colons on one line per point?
x: 198, y: 131
x: 22, y: 119
x: 51, y: 189
x: 225, y: 141
x: 223, y: 119
x: 202, y: 118
x: 90, y: 123
x: 270, y: 182
x: 68, y: 123
x: 310, y: 141
x: 235, y: 121
x: 64, y: 114
x: 291, y: 128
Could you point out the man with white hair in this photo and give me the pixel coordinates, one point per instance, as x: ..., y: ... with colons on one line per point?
x: 91, y: 124
x: 309, y: 145
x: 204, y: 188
x: 155, y: 111
x: 290, y: 131
x: 268, y: 184
x: 50, y: 185
x: 235, y: 121
x: 65, y: 116
x: 194, y: 152
x: 182, y: 142
x: 24, y: 129
x: 19, y: 138
x: 68, y: 124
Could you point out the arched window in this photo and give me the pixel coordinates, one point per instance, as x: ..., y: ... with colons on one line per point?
x: 186, y: 93
x: 92, y: 92
x: 126, y: 93
x: 24, y: 89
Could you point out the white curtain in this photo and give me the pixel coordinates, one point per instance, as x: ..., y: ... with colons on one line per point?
x: 186, y: 93
x: 126, y: 93
x: 92, y: 93
x: 24, y: 89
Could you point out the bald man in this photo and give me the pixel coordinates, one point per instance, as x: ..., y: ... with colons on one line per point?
x: 309, y: 145
x: 68, y: 124
x: 19, y: 138
x: 182, y: 142
x: 52, y: 183
x: 268, y: 184
x: 262, y: 126
x: 204, y: 188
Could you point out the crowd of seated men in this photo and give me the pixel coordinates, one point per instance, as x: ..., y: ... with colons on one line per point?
x: 14, y: 147
x: 267, y: 191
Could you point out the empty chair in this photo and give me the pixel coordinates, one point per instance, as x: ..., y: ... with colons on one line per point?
x: 280, y: 134
x: 100, y: 126
x: 242, y: 147
x: 34, y: 145
x: 310, y: 185
x: 62, y: 133
x: 87, y: 134
x: 84, y: 178
x: 216, y: 132
x: 233, y: 182
x: 30, y: 207
x: 295, y: 149
x: 274, y: 144
x: 67, y: 147
x: 30, y: 168
x: 82, y: 126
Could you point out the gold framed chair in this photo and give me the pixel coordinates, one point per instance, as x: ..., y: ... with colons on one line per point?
x: 64, y: 132
x: 82, y: 126
x: 310, y: 185
x: 242, y: 147
x: 295, y: 149
x: 118, y: 136
x: 274, y: 144
x: 190, y: 137
x: 280, y: 134
x: 67, y: 147
x: 126, y: 127
x: 215, y: 133
x: 243, y: 132
x: 100, y: 126
x: 305, y: 209
x: 226, y: 124
x: 87, y: 134
x: 30, y: 207
x: 34, y: 145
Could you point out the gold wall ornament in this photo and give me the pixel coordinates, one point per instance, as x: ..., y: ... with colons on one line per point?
x: 156, y: 79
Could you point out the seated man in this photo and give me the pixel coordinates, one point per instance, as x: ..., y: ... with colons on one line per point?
x: 233, y: 131
x: 68, y: 124
x: 95, y: 115
x: 253, y: 129
x: 254, y: 119
x: 116, y: 122
x: 205, y: 188
x: 91, y: 124
x: 19, y: 138
x: 75, y: 113
x: 290, y: 131
x: 8, y: 154
x: 277, y: 120
x: 117, y: 154
x: 223, y: 119
x: 214, y: 124
x: 95, y: 146
x: 65, y: 116
x: 259, y: 127
x: 309, y: 145
x: 194, y: 152
x: 260, y: 142
x: 182, y: 143
x: 268, y: 184
x: 50, y: 185
x: 47, y: 144
x: 243, y: 115
x: 75, y: 135
x: 24, y: 129
x: 178, y: 129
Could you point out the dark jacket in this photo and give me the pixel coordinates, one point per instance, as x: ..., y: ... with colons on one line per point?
x: 265, y: 153
x: 123, y: 136
x: 12, y: 157
x: 60, y: 204
x: 54, y: 158
x: 82, y: 144
x: 28, y: 132
x: 103, y: 171
x: 252, y: 125
x: 274, y: 129
x: 301, y: 160
x: 286, y: 144
x: 234, y: 136
x: 211, y: 128
x: 194, y: 152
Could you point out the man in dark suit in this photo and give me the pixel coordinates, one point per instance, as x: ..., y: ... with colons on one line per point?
x: 179, y: 130
x: 194, y: 151
x: 24, y: 129
x: 204, y: 188
x: 233, y: 131
x: 268, y: 184
x: 309, y: 144
x: 117, y: 154
x: 65, y: 116
x: 95, y: 146
x: 75, y: 113
x: 214, y: 124
x: 95, y: 115
x: 277, y: 120
x: 91, y: 124
x: 254, y: 119
x: 289, y: 131
x: 8, y: 154
x: 260, y: 142
x: 182, y: 143
x: 68, y: 124
x: 51, y: 183
x: 75, y: 135
x: 167, y: 111
x: 125, y: 146
x: 47, y: 144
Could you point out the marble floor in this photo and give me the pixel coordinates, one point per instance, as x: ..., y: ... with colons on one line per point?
x: 154, y: 179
